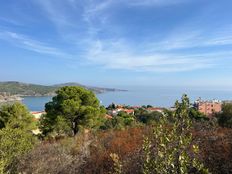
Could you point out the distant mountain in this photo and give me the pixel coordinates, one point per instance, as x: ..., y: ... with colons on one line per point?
x: 91, y: 88
x: 68, y: 84
x: 25, y: 89
x: 18, y: 88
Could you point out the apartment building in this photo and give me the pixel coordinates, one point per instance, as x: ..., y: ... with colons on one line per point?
x: 208, y: 108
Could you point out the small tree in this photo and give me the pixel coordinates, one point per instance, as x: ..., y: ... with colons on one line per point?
x: 171, y: 149
x: 76, y: 107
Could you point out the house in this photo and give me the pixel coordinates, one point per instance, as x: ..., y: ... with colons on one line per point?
x: 155, y: 109
x: 136, y: 107
x: 208, y: 108
x: 115, y: 112
x: 129, y: 111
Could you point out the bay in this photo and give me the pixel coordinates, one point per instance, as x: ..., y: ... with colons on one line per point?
x: 156, y: 96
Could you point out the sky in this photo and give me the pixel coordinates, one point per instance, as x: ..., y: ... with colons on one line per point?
x: 117, y: 42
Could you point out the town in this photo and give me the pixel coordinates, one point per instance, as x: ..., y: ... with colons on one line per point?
x: 206, y: 107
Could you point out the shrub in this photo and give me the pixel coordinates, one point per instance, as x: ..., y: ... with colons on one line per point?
x: 171, y: 149
x: 13, y: 144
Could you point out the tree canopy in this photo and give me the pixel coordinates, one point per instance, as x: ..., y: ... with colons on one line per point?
x: 120, y: 121
x: 225, y: 117
x: 148, y: 118
x: 16, y: 115
x: 70, y: 110
x: 16, y: 137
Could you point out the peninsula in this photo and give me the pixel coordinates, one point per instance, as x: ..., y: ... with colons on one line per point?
x: 26, y: 89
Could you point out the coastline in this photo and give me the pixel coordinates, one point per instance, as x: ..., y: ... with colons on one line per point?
x: 10, y: 98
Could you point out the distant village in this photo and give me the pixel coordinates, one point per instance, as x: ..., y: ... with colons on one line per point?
x: 208, y: 108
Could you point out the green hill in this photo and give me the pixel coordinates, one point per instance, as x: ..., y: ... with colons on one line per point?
x: 25, y: 89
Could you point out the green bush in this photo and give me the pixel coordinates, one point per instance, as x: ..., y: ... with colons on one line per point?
x: 171, y: 149
x: 13, y: 144
x: 225, y: 117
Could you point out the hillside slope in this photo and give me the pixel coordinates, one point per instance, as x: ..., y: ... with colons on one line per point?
x: 25, y: 89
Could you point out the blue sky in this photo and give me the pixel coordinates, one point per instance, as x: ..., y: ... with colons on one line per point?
x: 117, y: 42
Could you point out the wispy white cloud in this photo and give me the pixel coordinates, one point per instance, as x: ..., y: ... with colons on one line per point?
x: 54, y: 12
x: 92, y: 17
x: 117, y: 55
x: 155, y: 2
x: 31, y: 44
x: 95, y: 10
x: 193, y: 38
x: 65, y: 16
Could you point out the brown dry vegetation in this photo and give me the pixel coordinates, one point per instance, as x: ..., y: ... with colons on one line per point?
x: 90, y: 152
x: 216, y: 149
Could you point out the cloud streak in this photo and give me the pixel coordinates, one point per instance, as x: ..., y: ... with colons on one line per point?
x: 83, y: 22
x: 155, y: 2
x: 112, y: 55
x: 193, y: 39
x: 31, y: 44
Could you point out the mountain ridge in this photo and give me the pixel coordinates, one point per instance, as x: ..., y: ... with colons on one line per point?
x: 30, y: 89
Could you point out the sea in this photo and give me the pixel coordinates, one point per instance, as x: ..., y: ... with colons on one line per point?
x: 137, y: 96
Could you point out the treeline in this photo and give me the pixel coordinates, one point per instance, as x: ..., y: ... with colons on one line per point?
x: 77, y: 137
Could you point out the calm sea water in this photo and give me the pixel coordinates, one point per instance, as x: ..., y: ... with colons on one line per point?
x: 157, y: 96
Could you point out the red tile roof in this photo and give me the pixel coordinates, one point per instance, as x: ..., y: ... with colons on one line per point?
x: 154, y: 109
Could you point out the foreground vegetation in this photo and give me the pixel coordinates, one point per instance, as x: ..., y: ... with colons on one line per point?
x: 78, y: 138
